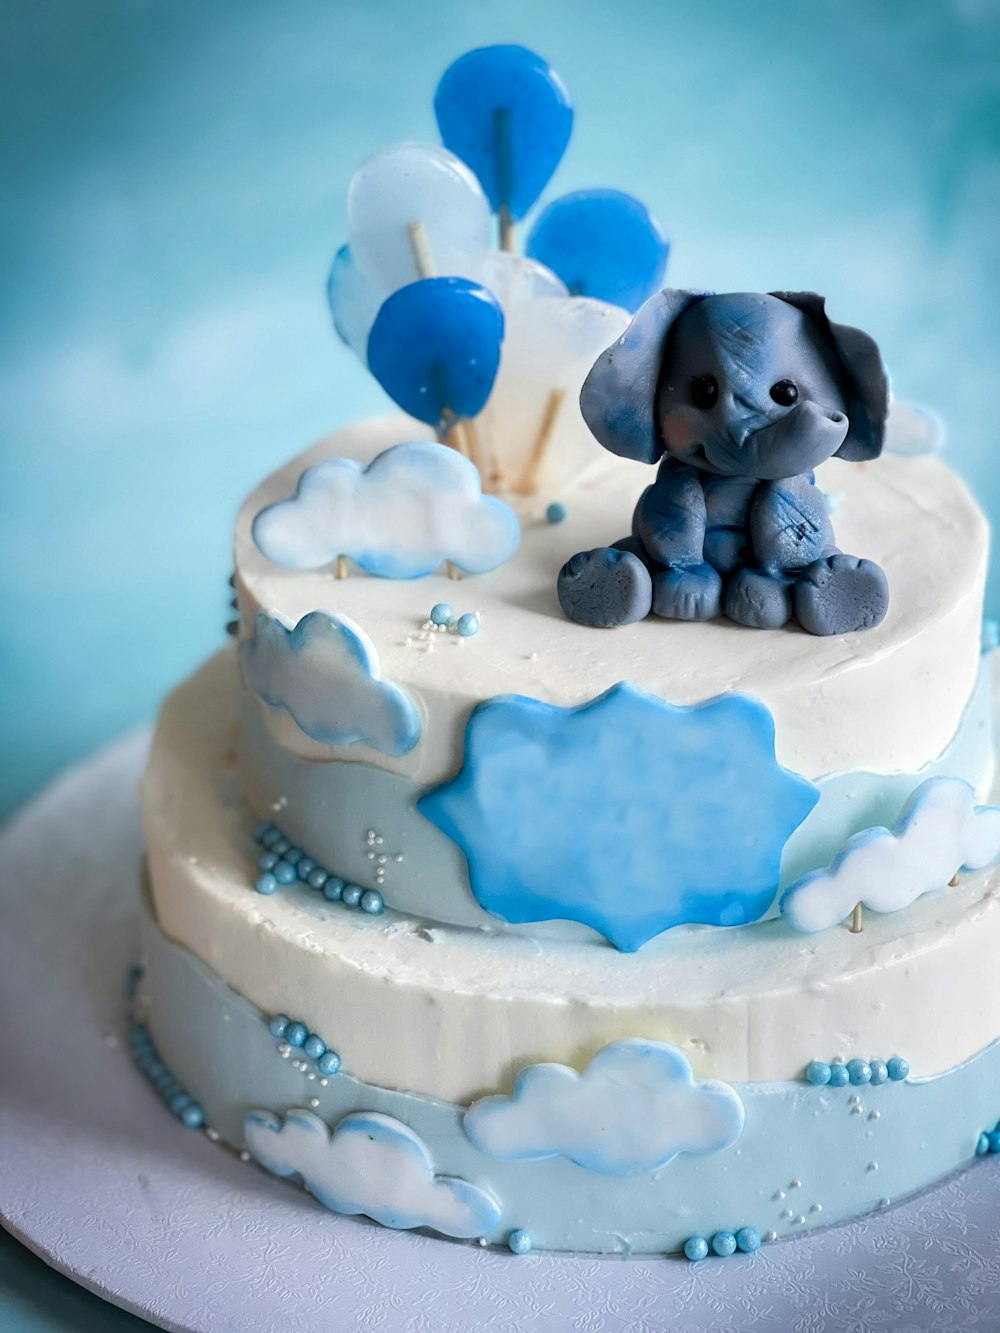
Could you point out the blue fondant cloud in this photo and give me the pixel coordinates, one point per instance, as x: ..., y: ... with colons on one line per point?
x: 370, y: 1164
x: 413, y: 507
x: 632, y: 1110
x: 940, y: 830
x: 626, y: 813
x: 325, y: 673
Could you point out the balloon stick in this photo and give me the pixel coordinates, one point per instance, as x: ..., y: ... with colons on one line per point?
x: 341, y: 566
x: 528, y: 482
x: 460, y: 435
x: 416, y: 234
x: 856, y: 926
x: 502, y: 141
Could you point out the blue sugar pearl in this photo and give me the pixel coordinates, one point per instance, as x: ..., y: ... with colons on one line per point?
x: 994, y: 1138
x: 293, y: 856
x: 267, y: 883
x: 898, y: 1068
x: 313, y: 1046
x: 748, y: 1239
x: 178, y: 1102
x: 304, y: 868
x: 281, y: 846
x: 468, y: 624
x: 982, y: 1145
x: 278, y: 1025
x: 696, y: 1248
x: 296, y: 1033
x: 441, y: 614
x: 268, y: 861
x: 272, y: 836
x: 556, y: 512
x: 262, y: 830
x: 839, y: 1076
x: 817, y: 1072
x: 724, y: 1243
x: 519, y: 1242
x: 859, y: 1071
x: 284, y: 873
x: 328, y: 1063
x: 352, y: 895
x: 317, y: 878
x: 333, y: 888
x: 880, y: 1072
x: 193, y: 1116
x: 371, y: 902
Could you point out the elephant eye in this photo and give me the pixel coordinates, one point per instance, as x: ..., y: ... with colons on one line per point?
x: 785, y: 393
x: 704, y: 392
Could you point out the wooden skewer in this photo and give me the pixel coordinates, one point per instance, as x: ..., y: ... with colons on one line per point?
x: 953, y: 882
x: 856, y: 926
x: 507, y: 231
x: 502, y: 142
x: 420, y: 244
x: 527, y: 483
x: 342, y: 567
x: 453, y: 571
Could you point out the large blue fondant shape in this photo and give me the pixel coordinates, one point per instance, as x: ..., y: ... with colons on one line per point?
x: 632, y: 1111
x: 626, y: 813
x: 373, y: 1164
x: 324, y: 671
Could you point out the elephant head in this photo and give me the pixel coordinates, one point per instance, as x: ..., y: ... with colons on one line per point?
x: 747, y: 384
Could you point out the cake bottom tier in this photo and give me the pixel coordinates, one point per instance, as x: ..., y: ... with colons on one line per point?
x: 807, y: 1155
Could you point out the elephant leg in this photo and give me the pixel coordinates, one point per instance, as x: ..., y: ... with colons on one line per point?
x: 840, y: 594
x: 605, y: 588
x: 688, y: 592
x: 759, y: 600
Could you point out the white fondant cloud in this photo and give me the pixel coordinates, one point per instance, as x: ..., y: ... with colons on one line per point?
x: 325, y: 673
x: 413, y: 507
x: 633, y: 1109
x: 370, y: 1164
x: 940, y: 830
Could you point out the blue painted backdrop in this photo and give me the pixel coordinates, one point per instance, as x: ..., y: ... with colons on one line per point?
x: 174, y: 190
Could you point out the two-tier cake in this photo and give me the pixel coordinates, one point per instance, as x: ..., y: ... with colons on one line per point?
x: 537, y: 884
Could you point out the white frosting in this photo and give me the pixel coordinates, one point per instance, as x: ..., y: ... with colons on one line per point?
x: 886, y: 700
x: 455, y: 1013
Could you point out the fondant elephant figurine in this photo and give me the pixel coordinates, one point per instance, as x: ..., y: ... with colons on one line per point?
x: 741, y: 396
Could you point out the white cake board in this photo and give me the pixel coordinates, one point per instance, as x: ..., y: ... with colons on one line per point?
x: 101, y: 1182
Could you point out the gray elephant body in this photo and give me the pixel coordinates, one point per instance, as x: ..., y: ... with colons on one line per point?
x: 741, y: 396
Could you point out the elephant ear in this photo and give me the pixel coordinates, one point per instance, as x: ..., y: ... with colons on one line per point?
x: 618, y: 397
x: 865, y: 378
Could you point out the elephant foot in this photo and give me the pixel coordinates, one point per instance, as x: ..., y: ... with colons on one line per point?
x: 758, y: 600
x: 605, y: 588
x: 693, y: 593
x: 840, y: 594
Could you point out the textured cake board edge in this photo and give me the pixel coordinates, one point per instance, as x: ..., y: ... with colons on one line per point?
x: 104, y: 1183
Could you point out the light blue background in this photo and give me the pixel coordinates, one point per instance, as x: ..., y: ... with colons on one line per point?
x: 173, y: 191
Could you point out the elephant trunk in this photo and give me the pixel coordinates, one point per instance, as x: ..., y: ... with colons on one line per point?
x: 796, y: 442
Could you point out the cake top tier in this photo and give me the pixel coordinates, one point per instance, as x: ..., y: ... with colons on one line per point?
x: 886, y: 700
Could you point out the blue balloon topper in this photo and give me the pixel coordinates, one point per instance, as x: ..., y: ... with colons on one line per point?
x: 435, y: 348
x: 602, y: 243
x: 505, y: 112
